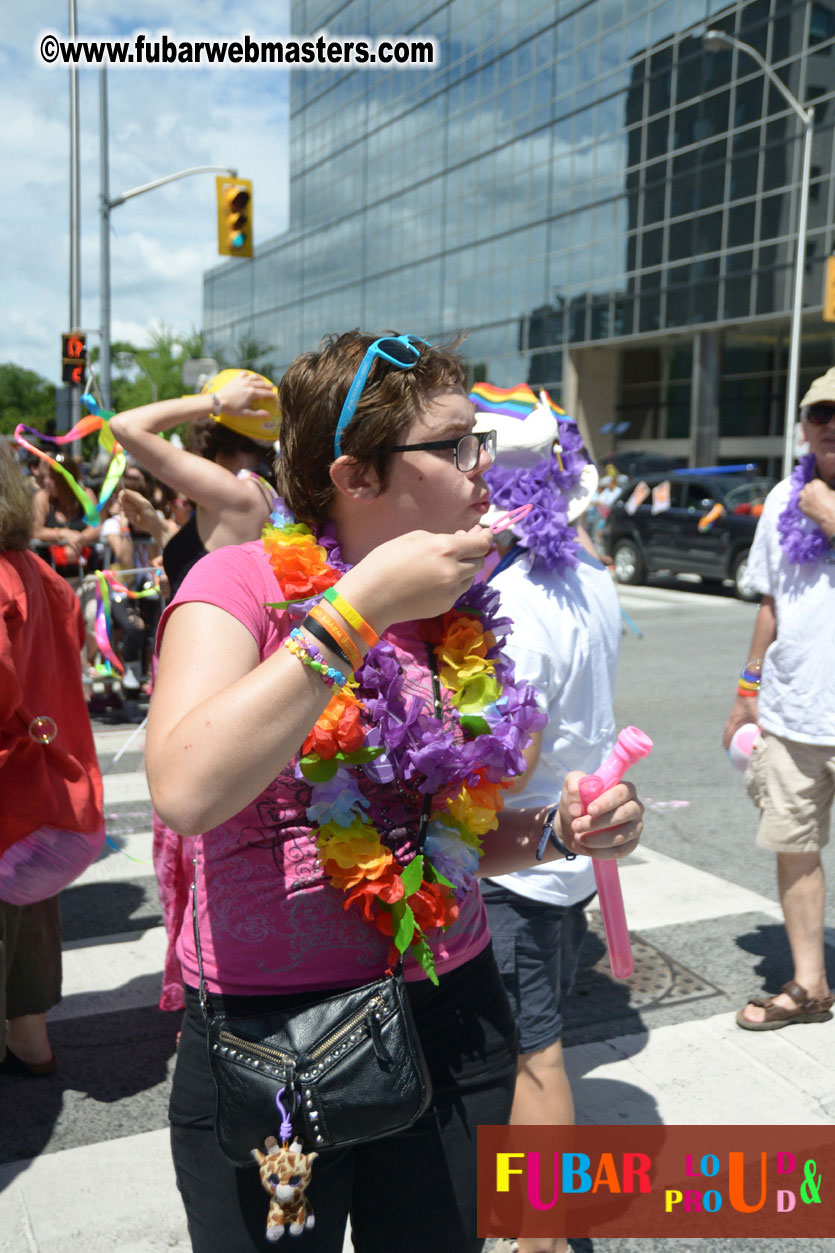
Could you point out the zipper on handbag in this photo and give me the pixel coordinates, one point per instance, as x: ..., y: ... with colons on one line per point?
x: 259, y: 1050
x: 376, y: 1002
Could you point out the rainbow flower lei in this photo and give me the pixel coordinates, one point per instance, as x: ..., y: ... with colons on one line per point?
x: 459, y: 763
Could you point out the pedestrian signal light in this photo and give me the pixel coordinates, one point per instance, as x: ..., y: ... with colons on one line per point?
x: 73, y: 358
x: 829, y: 291
x: 234, y: 217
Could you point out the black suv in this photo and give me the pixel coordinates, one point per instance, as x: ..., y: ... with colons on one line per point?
x: 644, y: 542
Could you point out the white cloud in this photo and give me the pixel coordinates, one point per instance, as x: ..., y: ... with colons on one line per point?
x: 160, y: 120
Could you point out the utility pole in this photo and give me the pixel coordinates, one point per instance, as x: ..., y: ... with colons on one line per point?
x: 104, y: 240
x: 75, y: 217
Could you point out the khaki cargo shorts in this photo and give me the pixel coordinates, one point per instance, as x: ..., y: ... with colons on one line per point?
x: 793, y: 786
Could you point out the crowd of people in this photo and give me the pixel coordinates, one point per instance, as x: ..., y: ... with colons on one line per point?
x: 426, y: 699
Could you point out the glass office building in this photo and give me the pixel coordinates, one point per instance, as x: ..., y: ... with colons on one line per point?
x: 608, y: 208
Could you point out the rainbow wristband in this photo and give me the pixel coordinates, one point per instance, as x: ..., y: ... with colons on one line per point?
x: 309, y: 655
x: 340, y: 604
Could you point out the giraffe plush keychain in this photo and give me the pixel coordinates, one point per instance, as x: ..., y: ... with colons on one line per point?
x: 285, y: 1174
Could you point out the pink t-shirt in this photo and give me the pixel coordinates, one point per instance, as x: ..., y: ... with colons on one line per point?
x: 269, y: 920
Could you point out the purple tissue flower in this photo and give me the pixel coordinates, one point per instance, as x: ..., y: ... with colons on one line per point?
x: 801, y: 540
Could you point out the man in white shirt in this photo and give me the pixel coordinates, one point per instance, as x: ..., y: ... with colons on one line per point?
x: 791, y: 775
x: 565, y: 640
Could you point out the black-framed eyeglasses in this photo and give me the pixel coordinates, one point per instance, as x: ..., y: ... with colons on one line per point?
x: 467, y: 448
x: 401, y: 351
x: 820, y: 414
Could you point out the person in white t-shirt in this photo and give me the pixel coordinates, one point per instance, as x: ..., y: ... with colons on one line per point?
x: 788, y: 687
x: 565, y: 640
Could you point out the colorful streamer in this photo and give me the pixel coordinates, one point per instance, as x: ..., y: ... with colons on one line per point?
x: 108, y: 582
x: 103, y: 624
x: 91, y: 513
x: 96, y: 420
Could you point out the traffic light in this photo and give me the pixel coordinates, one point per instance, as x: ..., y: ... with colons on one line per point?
x: 234, y: 217
x: 73, y: 358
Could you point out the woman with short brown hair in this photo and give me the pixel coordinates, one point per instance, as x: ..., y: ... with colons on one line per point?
x: 334, y: 724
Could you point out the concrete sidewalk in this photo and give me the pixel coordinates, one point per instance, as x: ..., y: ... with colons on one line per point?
x: 121, y: 1194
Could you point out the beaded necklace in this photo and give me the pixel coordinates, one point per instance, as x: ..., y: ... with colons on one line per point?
x: 459, y: 757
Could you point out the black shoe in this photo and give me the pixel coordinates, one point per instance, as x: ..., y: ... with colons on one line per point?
x: 581, y: 1245
x: 14, y: 1065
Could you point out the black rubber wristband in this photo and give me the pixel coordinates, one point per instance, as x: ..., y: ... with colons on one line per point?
x: 549, y: 836
x: 324, y: 637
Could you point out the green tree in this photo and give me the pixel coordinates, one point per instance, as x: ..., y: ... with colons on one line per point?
x: 25, y: 397
x: 141, y: 375
x: 249, y: 353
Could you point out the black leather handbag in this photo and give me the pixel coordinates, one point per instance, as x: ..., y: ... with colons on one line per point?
x: 350, y: 1066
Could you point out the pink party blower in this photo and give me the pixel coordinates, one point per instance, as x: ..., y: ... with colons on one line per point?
x: 631, y: 746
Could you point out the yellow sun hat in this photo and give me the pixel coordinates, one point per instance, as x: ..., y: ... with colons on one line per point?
x: 264, y: 430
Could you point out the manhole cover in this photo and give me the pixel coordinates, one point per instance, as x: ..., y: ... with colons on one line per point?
x: 658, y: 981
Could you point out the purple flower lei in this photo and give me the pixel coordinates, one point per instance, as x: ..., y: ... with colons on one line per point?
x: 801, y: 545
x: 545, y: 531
x: 421, y: 748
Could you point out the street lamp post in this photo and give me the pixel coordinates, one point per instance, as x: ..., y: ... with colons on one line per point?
x: 714, y: 40
x: 106, y: 206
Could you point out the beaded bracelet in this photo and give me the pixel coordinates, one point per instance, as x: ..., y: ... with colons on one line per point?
x: 324, y: 636
x: 351, y: 616
x: 309, y: 655
x: 334, y: 628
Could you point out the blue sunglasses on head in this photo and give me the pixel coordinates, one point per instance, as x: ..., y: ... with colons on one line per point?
x: 401, y: 351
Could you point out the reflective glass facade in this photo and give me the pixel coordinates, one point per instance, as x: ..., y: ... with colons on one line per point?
x: 608, y: 208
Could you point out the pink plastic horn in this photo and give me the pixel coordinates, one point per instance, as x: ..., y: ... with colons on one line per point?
x: 631, y: 746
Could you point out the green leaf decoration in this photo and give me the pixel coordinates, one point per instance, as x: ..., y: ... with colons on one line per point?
x: 404, y: 925
x: 316, y: 770
x: 412, y: 876
x: 433, y: 875
x: 474, y: 725
x: 361, y: 755
x: 422, y: 954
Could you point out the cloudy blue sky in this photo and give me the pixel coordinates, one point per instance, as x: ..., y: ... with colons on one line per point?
x: 161, y: 120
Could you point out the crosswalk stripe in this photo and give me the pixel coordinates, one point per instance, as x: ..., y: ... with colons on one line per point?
x: 137, y: 1166
x: 112, y: 972
x: 668, y: 598
x: 689, y: 894
x: 665, y: 1076
x: 119, y: 788
x: 114, y: 865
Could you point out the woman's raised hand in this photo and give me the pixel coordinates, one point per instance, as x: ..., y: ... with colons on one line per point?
x: 417, y: 575
x: 245, y: 395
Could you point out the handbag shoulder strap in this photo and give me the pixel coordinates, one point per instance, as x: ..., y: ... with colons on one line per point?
x: 205, y: 1003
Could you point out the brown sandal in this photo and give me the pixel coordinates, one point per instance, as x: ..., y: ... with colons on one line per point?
x: 808, y: 1010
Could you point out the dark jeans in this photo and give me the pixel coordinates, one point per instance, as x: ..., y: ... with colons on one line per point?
x: 414, y: 1192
